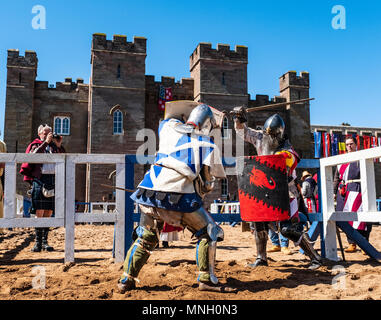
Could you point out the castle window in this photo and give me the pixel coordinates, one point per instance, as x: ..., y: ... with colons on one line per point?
x: 118, y: 122
x: 20, y: 78
x: 118, y: 72
x: 62, y: 125
x: 225, y: 129
x: 223, y: 78
x: 224, y: 187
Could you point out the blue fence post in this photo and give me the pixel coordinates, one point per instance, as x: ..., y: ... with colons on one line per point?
x: 129, y: 206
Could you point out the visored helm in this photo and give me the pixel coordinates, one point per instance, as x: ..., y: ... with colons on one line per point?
x: 274, y: 126
x: 202, y: 118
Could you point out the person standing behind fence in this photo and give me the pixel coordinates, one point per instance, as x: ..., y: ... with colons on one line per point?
x: 169, y: 233
x: 3, y: 149
x: 347, y: 189
x: 309, y: 191
x: 42, y: 178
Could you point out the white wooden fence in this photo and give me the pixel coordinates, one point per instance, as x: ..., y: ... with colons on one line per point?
x: 65, y: 215
x: 368, y: 188
x: 225, y: 207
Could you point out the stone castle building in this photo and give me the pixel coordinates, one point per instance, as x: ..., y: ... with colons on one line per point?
x: 105, y: 115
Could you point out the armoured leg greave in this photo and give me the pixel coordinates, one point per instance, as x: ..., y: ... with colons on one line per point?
x: 140, y: 250
x: 208, y: 233
x: 261, y: 243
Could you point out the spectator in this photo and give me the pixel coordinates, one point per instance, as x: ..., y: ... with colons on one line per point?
x: 279, y: 242
x: 347, y: 189
x: 309, y: 191
x: 42, y: 177
x: 169, y: 234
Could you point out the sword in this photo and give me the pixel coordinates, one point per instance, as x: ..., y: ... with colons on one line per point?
x: 268, y: 106
x: 117, y: 188
x: 243, y: 111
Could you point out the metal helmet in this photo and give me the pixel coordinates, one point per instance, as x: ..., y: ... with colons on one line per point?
x: 201, y: 118
x: 274, y: 126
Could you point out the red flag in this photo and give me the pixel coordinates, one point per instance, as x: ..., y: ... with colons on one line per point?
x: 366, y: 140
x: 326, y: 139
x: 375, y: 144
x: 358, y: 142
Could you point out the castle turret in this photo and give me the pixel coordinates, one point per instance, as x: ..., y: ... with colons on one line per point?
x: 296, y: 87
x: 117, y: 100
x: 220, y: 80
x: 21, y: 76
x: 220, y: 75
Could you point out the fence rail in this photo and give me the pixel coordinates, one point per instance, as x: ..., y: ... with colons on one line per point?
x: 126, y: 215
x: 368, y: 189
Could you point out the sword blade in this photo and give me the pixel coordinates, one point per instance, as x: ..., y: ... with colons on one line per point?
x: 269, y: 106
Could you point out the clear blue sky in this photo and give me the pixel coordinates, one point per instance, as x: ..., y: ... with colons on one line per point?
x: 344, y: 65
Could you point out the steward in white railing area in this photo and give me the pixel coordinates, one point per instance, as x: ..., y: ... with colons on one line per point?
x: 369, y: 212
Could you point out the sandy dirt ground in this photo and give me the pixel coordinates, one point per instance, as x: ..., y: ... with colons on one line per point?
x: 170, y: 274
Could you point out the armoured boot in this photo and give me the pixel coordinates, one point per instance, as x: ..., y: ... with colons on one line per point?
x: 303, y: 240
x: 306, y: 245
x: 261, y: 243
x: 206, y: 260
x: 38, y: 237
x: 45, y: 246
x: 136, y: 257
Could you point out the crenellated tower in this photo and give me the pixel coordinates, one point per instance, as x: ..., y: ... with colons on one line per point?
x: 116, y: 99
x: 21, y: 76
x: 220, y: 75
x: 296, y: 87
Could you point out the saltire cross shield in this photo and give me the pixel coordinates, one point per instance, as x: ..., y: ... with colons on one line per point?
x: 263, y: 188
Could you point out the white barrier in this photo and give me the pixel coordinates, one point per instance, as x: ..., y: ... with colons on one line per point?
x: 65, y: 215
x: 10, y: 219
x: 368, y: 189
x: 71, y: 216
x: 225, y: 207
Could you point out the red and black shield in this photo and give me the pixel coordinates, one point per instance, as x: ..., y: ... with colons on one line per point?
x: 263, y: 189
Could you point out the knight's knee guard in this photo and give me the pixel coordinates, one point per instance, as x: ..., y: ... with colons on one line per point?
x: 140, y: 250
x: 208, y: 232
x: 200, y: 223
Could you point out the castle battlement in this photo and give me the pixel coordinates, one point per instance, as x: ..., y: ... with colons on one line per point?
x: 28, y: 60
x: 66, y: 86
x: 170, y: 82
x: 119, y: 43
x: 264, y: 99
x: 204, y: 50
x: 291, y: 78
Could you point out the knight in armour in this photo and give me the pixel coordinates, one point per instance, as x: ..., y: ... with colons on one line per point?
x: 186, y: 166
x: 272, y: 140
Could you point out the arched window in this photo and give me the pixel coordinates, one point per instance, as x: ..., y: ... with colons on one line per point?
x: 65, y: 126
x: 62, y: 125
x: 118, y: 122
